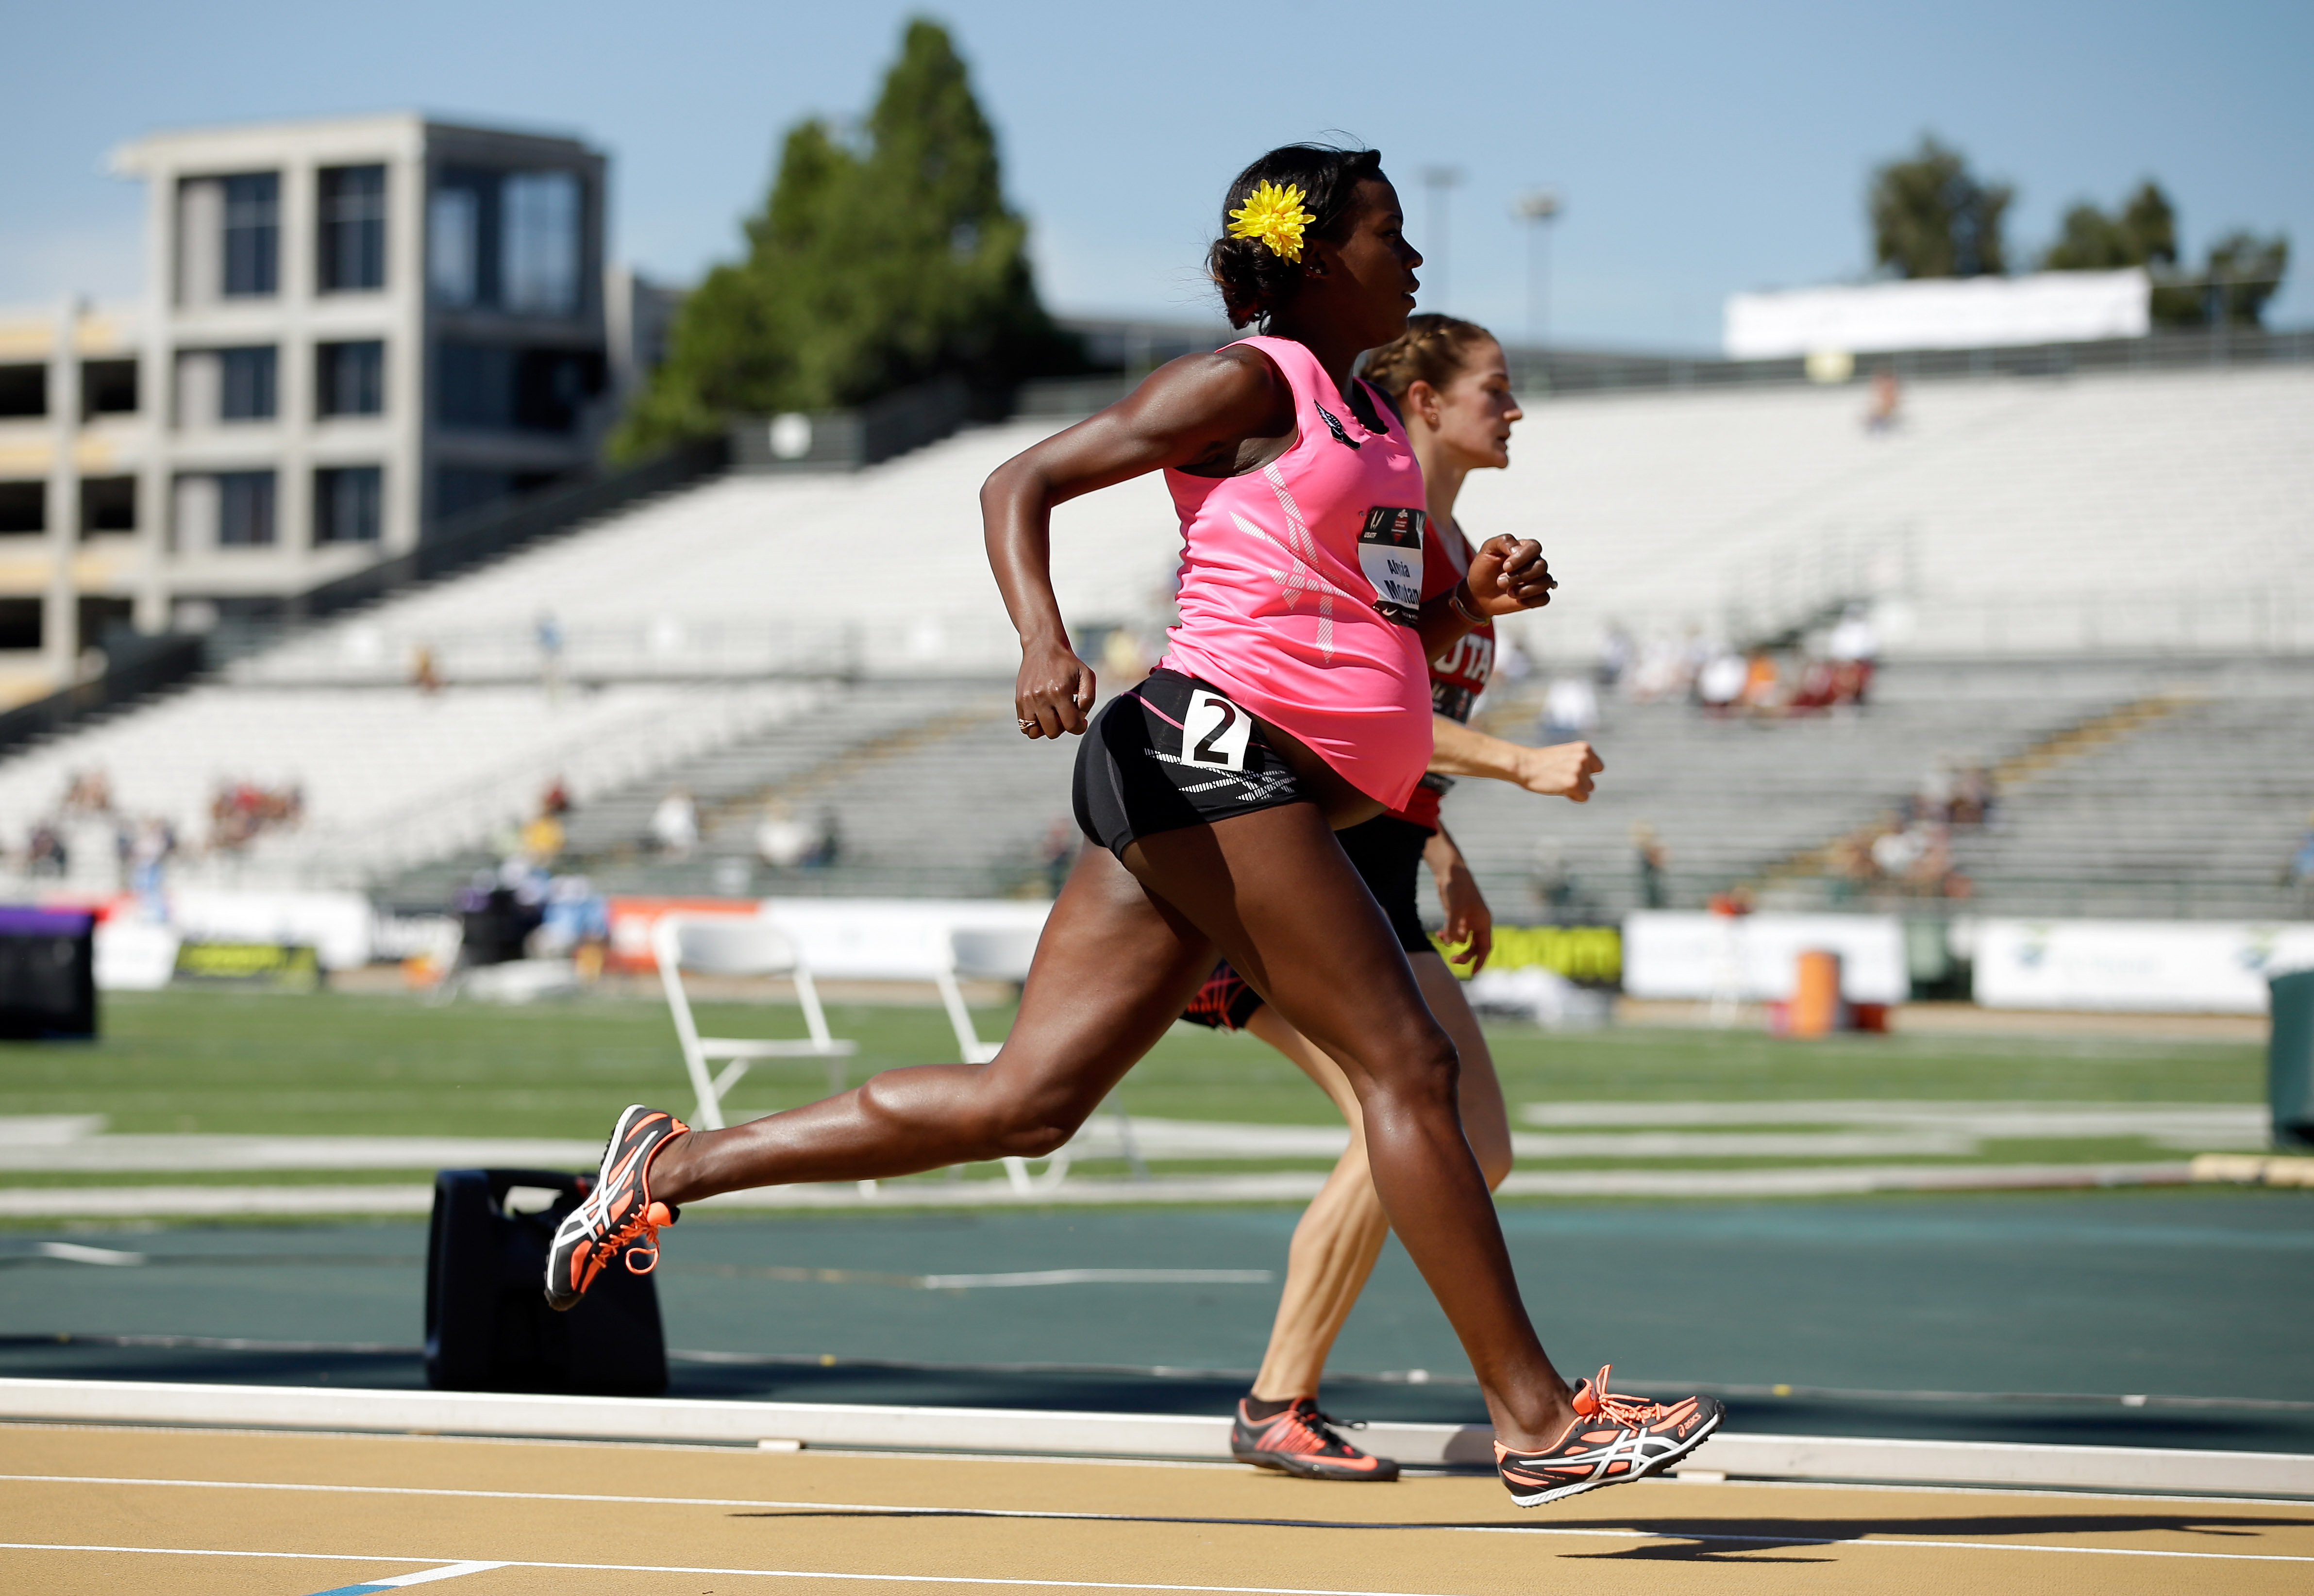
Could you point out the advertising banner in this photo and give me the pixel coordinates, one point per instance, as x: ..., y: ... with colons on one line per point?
x: 2146, y: 966
x: 1755, y: 957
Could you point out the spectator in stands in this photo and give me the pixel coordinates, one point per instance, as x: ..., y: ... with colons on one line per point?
x: 830, y: 850
x: 556, y: 801
x: 1855, y: 648
x: 1059, y: 852
x: 574, y: 923
x: 1124, y: 659
x: 45, y: 854
x: 1973, y: 796
x: 1818, y: 689
x: 88, y: 792
x: 675, y: 824
x: 548, y: 631
x: 542, y: 839
x: 1618, y: 650
x: 2300, y: 872
x: 1663, y: 670
x: 242, y: 811
x: 1763, y: 683
x: 1720, y: 685
x: 781, y: 841
x: 1570, y: 711
x: 1884, y: 409
x: 145, y: 848
x: 425, y: 671
x: 1653, y: 860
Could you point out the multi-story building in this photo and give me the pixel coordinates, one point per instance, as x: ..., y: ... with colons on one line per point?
x: 352, y: 332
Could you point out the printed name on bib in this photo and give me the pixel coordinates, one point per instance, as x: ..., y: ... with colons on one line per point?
x: 1213, y: 731
x: 1390, y: 552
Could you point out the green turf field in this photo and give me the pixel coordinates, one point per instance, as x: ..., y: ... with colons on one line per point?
x: 331, y: 1063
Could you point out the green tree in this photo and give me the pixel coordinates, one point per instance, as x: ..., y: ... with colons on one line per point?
x: 1932, y: 217
x: 2145, y: 233
x: 876, y: 263
x: 2244, y: 272
x: 2241, y: 273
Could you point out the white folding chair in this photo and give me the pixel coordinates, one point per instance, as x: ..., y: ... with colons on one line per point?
x: 1004, y: 954
x: 737, y: 945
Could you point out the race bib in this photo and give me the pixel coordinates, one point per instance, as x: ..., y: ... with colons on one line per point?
x: 1214, y: 731
x: 1390, y: 552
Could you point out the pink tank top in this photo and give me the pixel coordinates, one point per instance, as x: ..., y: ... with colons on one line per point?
x: 1301, y: 583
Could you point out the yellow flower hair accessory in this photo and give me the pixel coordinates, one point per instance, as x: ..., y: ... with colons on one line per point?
x: 1273, y: 217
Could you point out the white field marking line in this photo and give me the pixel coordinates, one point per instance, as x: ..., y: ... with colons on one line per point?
x: 1077, y: 1460
x: 922, y: 1511
x: 424, y: 1576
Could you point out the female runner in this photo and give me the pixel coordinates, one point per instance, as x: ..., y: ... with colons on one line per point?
x: 1293, y: 699
x: 1449, y: 381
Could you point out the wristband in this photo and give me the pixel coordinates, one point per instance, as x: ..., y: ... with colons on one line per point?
x: 1455, y: 597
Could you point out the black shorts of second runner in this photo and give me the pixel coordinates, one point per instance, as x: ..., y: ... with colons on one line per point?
x: 1173, y: 752
x: 1387, y: 854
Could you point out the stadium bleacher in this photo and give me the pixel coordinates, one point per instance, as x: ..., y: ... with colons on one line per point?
x: 2038, y: 551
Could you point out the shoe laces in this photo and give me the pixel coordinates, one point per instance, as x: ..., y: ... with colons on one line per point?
x: 1326, y: 1424
x: 1620, y: 1410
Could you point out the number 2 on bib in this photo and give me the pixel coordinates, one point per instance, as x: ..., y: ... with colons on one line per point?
x: 1215, y: 732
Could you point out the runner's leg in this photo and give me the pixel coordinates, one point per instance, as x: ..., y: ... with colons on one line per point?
x: 1275, y: 892
x: 1112, y: 969
x: 1340, y: 1234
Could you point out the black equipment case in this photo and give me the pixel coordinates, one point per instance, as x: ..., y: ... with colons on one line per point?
x: 487, y: 1327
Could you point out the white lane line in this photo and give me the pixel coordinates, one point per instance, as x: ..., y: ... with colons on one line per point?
x: 424, y: 1576
x: 922, y: 1510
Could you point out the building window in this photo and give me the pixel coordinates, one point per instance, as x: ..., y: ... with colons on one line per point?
x: 353, y: 228
x: 252, y: 235
x: 108, y: 388
x: 348, y: 504
x: 490, y: 388
x: 24, y: 389
x: 101, y: 615
x: 541, y: 252
x: 458, y: 260
x: 350, y: 379
x: 108, y: 505
x: 244, y: 509
x: 246, y: 385
x: 20, y: 623
x: 23, y: 507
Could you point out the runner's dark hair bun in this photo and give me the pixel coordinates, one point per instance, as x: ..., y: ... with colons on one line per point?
x: 1254, y: 282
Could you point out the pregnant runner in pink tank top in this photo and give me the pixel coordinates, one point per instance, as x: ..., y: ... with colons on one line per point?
x: 1214, y: 788
x: 1321, y: 551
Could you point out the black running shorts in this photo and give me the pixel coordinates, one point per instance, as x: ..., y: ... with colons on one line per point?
x: 1171, y: 753
x: 1387, y: 853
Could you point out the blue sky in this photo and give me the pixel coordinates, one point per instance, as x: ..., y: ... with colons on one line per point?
x: 1701, y: 148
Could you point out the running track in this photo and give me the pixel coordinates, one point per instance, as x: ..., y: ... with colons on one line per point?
x: 108, y: 1510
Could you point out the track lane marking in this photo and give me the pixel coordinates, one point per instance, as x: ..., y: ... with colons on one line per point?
x: 890, y: 1510
x: 396, y: 1581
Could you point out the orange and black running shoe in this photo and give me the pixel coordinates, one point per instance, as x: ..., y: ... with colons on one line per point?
x: 1613, y: 1439
x: 618, y: 1210
x: 1302, y: 1441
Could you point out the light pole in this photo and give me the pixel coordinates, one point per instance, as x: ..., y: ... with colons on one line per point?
x: 1438, y: 180
x: 1538, y: 208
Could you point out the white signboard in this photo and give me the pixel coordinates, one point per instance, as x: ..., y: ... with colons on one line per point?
x: 2049, y: 307
x: 893, y: 938
x: 1755, y: 957
x: 338, y: 925
x: 2147, y: 965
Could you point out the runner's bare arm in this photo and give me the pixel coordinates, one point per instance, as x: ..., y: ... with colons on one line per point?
x: 1507, y: 574
x: 1561, y: 771
x: 1204, y: 412
x: 1470, y: 928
